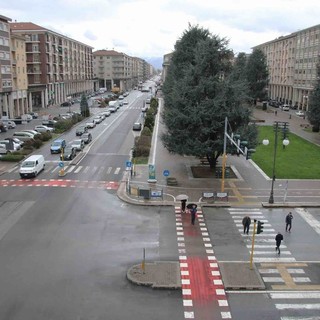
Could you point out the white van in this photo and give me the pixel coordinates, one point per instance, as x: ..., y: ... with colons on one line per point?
x: 32, y: 166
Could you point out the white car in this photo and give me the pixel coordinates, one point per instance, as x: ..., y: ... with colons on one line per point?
x: 90, y: 125
x: 97, y: 120
x: 10, y: 124
x: 11, y: 145
x: 42, y: 128
x: 125, y: 101
x: 300, y: 113
x: 78, y: 144
x: 285, y: 107
x: 3, y: 149
x: 106, y: 113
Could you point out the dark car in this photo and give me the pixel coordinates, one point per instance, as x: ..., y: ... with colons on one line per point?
x: 66, y: 104
x: 81, y: 130
x: 69, y: 153
x: 49, y: 123
x: 86, y: 137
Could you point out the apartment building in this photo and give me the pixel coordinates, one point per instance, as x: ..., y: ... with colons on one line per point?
x: 116, y: 69
x: 19, y: 98
x: 292, y: 62
x: 5, y: 67
x: 58, y: 68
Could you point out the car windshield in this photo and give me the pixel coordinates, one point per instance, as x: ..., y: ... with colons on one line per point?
x: 27, y: 164
x: 56, y: 143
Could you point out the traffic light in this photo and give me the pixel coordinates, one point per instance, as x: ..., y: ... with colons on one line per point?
x: 260, y: 227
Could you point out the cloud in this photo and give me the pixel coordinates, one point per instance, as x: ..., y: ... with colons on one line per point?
x: 151, y: 27
x: 90, y: 35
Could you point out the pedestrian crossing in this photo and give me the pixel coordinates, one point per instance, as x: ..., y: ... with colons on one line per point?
x: 53, y: 168
x: 281, y: 272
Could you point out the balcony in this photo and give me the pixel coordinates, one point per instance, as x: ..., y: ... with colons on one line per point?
x: 33, y: 71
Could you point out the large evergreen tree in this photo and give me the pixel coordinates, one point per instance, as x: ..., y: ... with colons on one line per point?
x: 257, y: 76
x: 314, y: 103
x: 84, y: 107
x: 199, y: 92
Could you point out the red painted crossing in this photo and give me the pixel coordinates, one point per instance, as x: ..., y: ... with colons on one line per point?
x: 110, y: 185
x: 202, y: 287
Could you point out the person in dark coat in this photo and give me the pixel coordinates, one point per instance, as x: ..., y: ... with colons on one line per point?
x: 246, y: 221
x: 193, y: 213
x: 279, y: 238
x: 289, y: 218
x: 183, y: 205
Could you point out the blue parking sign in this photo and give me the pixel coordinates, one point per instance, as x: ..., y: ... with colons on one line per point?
x: 61, y: 164
x: 166, y: 173
x: 128, y: 164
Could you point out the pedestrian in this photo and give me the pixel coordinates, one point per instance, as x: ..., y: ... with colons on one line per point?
x: 246, y: 221
x: 279, y: 238
x: 193, y: 213
x: 289, y: 218
x: 276, y: 112
x: 183, y: 205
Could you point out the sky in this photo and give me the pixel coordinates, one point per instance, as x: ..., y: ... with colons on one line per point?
x: 150, y: 28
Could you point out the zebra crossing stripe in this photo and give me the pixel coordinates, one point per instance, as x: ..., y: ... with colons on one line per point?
x: 78, y: 169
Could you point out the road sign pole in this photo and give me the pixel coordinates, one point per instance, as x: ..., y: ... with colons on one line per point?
x: 252, y: 245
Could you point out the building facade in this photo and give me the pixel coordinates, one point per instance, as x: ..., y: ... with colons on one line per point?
x: 58, y: 68
x: 292, y: 63
x: 117, y: 70
x: 5, y: 67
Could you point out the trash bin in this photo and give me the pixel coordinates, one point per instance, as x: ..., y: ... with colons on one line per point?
x: 264, y: 105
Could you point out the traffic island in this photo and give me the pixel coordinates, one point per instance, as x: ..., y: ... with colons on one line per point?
x: 239, y: 276
x: 158, y: 275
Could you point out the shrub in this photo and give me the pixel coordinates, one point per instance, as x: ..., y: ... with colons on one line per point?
x: 146, y: 131
x: 12, y: 157
x: 141, y: 151
x: 46, y: 136
x: 37, y: 143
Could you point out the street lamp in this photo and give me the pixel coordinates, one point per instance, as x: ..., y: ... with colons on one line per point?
x: 285, y: 142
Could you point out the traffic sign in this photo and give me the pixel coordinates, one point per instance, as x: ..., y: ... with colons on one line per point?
x: 128, y: 164
x: 166, y: 173
x: 61, y: 164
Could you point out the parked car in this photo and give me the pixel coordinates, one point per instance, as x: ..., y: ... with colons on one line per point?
x: 42, y: 128
x: 3, y: 127
x: 137, y: 126
x: 10, y: 124
x: 125, y: 101
x: 23, y: 135
x: 34, y: 115
x: 57, y: 145
x: 90, y: 125
x: 66, y: 104
x: 49, y: 123
x: 106, y: 113
x: 86, y: 137
x: 34, y: 132
x: 285, y: 107
x: 69, y: 153
x: 97, y: 120
x: 27, y: 117
x: 78, y: 144
x: 80, y: 130
x: 3, y: 149
x: 11, y: 145
x: 144, y: 109
x: 112, y: 109
x: 300, y: 113
x: 15, y: 140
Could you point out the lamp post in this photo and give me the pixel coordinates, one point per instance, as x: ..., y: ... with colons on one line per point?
x: 285, y: 142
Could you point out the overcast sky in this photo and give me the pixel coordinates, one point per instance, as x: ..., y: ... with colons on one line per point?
x: 150, y: 28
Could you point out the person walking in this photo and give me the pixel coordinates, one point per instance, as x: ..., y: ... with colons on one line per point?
x: 279, y: 238
x: 193, y: 213
x: 246, y: 221
x: 289, y: 218
x: 183, y: 205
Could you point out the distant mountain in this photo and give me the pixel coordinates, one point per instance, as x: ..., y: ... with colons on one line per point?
x: 155, y: 61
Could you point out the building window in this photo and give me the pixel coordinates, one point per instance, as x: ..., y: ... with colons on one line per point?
x: 6, y: 83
